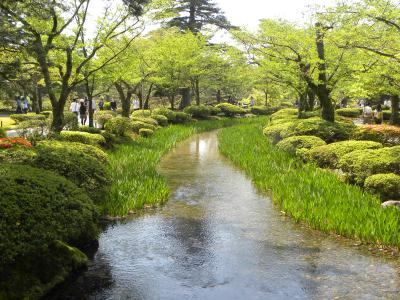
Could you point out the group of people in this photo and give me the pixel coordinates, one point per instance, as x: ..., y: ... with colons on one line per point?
x: 371, y: 116
x: 80, y: 107
x: 23, y: 104
x: 233, y: 101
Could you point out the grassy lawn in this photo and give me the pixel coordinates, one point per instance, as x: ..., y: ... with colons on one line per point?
x: 307, y: 193
x: 136, y: 183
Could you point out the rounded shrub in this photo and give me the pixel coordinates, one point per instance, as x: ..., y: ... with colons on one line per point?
x: 77, y: 162
x: 260, y: 110
x: 385, y: 134
x: 70, y: 121
x: 231, y: 110
x: 349, y: 112
x: 144, y: 132
x: 198, y: 111
x: 118, y: 126
x: 141, y: 113
x: 161, y: 120
x: 387, y: 186
x: 88, y: 129
x: 361, y: 164
x: 110, y: 138
x: 181, y: 118
x: 214, y: 111
x: 165, y: 112
x: 18, y: 118
x: 292, y: 144
x: 17, y: 155
x: 150, y: 121
x: 277, y: 132
x: 103, y: 116
x: 328, y: 156
x: 137, y: 125
x: 83, y: 137
x: 387, y: 115
x: 39, y: 207
x: 285, y: 114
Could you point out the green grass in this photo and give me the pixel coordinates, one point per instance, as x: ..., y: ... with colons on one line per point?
x: 136, y: 182
x: 309, y: 194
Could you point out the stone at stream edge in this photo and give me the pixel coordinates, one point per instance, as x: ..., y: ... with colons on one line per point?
x: 391, y: 204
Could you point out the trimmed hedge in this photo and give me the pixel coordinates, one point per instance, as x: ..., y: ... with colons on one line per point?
x: 385, y: 134
x: 18, y: 118
x: 198, y: 111
x: 285, y: 114
x: 3, y: 133
x: 363, y: 163
x: 328, y: 156
x: 76, y: 162
x: 169, y: 114
x: 141, y: 114
x: 88, y: 129
x: 137, y: 125
x: 39, y: 208
x: 292, y: 144
x: 70, y: 121
x: 149, y: 120
x: 101, y: 117
x: 181, y: 118
x: 260, y: 110
x: 161, y: 120
x: 144, y: 132
x: 119, y: 126
x: 18, y: 155
x: 83, y: 137
x: 387, y: 186
x: 349, y: 112
x: 231, y: 110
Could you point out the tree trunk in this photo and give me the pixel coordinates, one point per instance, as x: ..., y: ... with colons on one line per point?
x: 147, y: 101
x: 40, y: 99
x: 323, y: 92
x: 125, y: 99
x: 266, y: 98
x: 171, y: 99
x: 186, y: 99
x: 311, y: 99
x: 89, y: 93
x: 197, y: 90
x: 395, y: 119
x: 192, y: 17
x: 219, y: 96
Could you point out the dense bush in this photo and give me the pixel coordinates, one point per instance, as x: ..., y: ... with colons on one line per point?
x: 18, y: 155
x: 110, y: 138
x: 214, y: 111
x: 148, y: 120
x: 18, y: 118
x: 329, y: 155
x: 70, y: 121
x: 198, y: 111
x: 118, y: 126
x: 363, y: 163
x: 387, y: 115
x: 137, y: 125
x: 83, y: 137
x: 387, y: 186
x: 88, y: 129
x: 144, y: 132
x: 141, y: 114
x: 285, y: 114
x: 181, y: 118
x: 165, y: 112
x: 292, y: 144
x: 3, y: 133
x: 47, y: 114
x: 329, y: 132
x: 101, y: 117
x: 231, y: 110
x: 260, y: 110
x: 78, y: 163
x: 385, y: 134
x: 161, y: 120
x: 39, y: 209
x: 349, y: 112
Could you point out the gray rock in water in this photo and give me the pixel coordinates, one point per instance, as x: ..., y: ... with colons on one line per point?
x: 391, y: 203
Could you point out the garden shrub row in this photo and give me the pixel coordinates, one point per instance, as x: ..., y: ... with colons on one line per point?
x: 385, y: 134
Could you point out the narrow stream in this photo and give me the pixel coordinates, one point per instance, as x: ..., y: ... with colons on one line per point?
x: 218, y: 238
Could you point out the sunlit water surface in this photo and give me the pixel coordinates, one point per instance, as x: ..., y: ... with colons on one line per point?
x: 218, y: 238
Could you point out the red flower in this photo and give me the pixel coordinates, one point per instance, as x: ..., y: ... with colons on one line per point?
x: 6, y: 143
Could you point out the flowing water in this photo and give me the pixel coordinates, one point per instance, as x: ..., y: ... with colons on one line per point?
x: 218, y: 238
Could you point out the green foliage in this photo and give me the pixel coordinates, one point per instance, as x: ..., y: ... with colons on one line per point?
x: 141, y: 114
x: 110, y: 138
x: 201, y: 112
x: 307, y: 193
x: 231, y: 110
x: 260, y: 110
x: 387, y: 186
x: 70, y: 121
x: 17, y: 155
x: 119, y: 126
x: 181, y: 118
x: 88, y: 129
x: 277, y: 132
x: 165, y: 112
x: 103, y: 116
x: 148, y: 120
x: 83, y: 137
x: 161, y: 120
x: 3, y: 133
x: 144, y: 132
x: 385, y: 134
x: 292, y: 144
x: 39, y: 207
x: 285, y: 114
x: 27, y: 117
x: 349, y: 112
x: 214, y: 111
x: 77, y: 162
x: 363, y: 163
x: 387, y: 114
x: 137, y: 125
x: 328, y: 156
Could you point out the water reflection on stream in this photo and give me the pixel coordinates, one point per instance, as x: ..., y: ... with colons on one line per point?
x: 218, y: 238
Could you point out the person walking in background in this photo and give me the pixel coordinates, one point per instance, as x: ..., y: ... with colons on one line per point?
x: 113, y: 104
x: 19, y: 105
x: 367, y: 114
x: 25, y: 105
x: 378, y: 115
x: 101, y: 104
x: 252, y: 102
x: 83, y: 112
x: 94, y: 105
x: 136, y: 104
x: 74, y: 107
